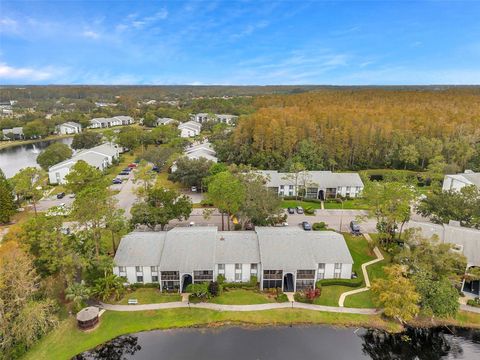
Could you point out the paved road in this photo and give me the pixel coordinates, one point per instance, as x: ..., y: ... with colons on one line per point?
x: 126, y: 196
x: 52, y: 201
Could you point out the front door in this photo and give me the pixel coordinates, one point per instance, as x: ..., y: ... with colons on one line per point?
x: 288, y: 285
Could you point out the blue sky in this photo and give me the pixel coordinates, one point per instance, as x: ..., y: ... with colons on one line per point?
x: 240, y: 42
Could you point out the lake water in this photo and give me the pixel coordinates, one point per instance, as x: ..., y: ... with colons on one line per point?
x: 292, y: 343
x: 15, y: 158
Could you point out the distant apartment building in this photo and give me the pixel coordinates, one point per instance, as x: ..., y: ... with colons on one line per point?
x: 221, y: 118
x: 69, y: 127
x: 99, y: 123
x: 15, y: 133
x: 189, y: 129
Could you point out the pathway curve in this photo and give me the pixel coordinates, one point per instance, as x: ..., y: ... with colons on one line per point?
x: 470, y: 308
x: 256, y: 307
x: 380, y: 257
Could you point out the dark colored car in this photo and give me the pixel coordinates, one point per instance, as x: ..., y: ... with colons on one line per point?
x: 156, y: 169
x: 355, y: 228
x: 124, y: 173
x: 132, y: 165
x: 117, y: 181
x: 291, y: 210
x: 306, y: 226
x: 127, y: 169
x: 299, y: 210
x: 61, y: 195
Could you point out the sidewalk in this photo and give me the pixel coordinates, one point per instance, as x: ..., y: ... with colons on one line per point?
x: 241, y: 308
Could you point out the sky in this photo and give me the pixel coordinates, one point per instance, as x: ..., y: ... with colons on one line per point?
x: 240, y: 42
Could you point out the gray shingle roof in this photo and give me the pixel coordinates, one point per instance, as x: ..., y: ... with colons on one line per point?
x: 236, y: 247
x: 192, y: 125
x: 140, y: 249
x: 291, y: 248
x: 326, y: 179
x: 189, y: 249
x: 71, y: 124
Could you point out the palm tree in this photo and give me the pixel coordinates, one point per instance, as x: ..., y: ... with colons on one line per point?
x: 108, y: 287
x: 77, y: 293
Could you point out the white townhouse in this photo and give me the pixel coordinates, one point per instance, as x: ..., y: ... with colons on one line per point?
x: 15, y: 133
x: 203, y: 150
x: 189, y: 129
x: 165, y: 121
x: 287, y: 257
x: 464, y: 240
x: 69, y: 127
x: 221, y: 118
x: 458, y: 181
x: 315, y: 184
x: 100, y: 157
x: 120, y: 120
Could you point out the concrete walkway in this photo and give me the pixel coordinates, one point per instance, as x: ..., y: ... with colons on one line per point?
x: 470, y: 308
x: 380, y: 257
x: 241, y: 308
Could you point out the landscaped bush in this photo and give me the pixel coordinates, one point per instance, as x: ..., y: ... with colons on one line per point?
x: 199, y: 291
x: 136, y: 286
x: 253, y: 280
x: 319, y: 226
x: 239, y: 285
x: 281, y: 298
x: 309, y: 210
x: 340, y: 282
x: 221, y: 279
x: 206, y: 203
x: 474, y: 302
x: 237, y: 227
x: 307, y: 296
x: 214, y: 288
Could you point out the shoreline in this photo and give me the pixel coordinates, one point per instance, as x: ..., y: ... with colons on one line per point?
x: 5, y: 144
x: 67, y: 340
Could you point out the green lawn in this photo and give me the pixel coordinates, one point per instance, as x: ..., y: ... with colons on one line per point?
x: 352, y: 204
x: 149, y: 296
x: 162, y: 180
x: 242, y: 297
x: 67, y: 341
x: 331, y: 294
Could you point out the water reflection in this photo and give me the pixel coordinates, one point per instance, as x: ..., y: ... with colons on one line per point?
x: 117, y: 349
x: 421, y: 344
x: 319, y: 343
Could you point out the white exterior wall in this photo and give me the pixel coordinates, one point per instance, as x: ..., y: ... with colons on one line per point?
x: 450, y: 183
x: 188, y: 133
x: 62, y: 172
x: 230, y: 272
x: 65, y: 130
x: 346, y: 271
x: 245, y: 272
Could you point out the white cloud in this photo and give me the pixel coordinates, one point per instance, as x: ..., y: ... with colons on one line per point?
x: 8, y: 25
x: 25, y: 73
x: 137, y: 22
x: 91, y: 34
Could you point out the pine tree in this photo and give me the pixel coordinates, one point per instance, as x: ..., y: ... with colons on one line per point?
x: 7, y: 200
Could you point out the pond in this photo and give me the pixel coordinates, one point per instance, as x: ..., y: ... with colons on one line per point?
x: 319, y: 343
x: 15, y: 158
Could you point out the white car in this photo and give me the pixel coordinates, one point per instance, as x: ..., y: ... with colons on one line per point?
x: 194, y: 189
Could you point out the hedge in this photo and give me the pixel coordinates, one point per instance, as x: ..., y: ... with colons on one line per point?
x: 474, y: 302
x: 340, y: 282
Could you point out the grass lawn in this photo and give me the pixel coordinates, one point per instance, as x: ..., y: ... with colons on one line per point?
x: 162, y: 180
x: 331, y: 294
x: 352, y: 204
x: 149, y: 296
x: 67, y: 341
x: 242, y: 297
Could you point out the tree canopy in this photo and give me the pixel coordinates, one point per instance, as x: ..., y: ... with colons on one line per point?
x: 7, y: 199
x: 53, y: 154
x: 86, y: 140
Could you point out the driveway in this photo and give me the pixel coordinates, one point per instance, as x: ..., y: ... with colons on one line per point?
x: 126, y: 196
x: 47, y: 203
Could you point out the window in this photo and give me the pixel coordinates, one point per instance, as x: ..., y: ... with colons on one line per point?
x: 139, y: 279
x: 321, y: 276
x: 221, y: 268
x: 305, y: 274
x: 238, y: 276
x: 155, y: 278
x: 338, y: 267
x: 238, y: 267
x: 358, y: 188
x: 139, y: 269
x: 336, y: 275
x: 321, y: 267
x: 282, y: 187
x: 121, y: 269
x: 153, y: 269
x: 253, y: 268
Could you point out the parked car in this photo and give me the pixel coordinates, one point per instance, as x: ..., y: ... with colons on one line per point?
x: 355, y: 228
x: 299, y: 210
x: 156, y: 169
x: 132, y: 165
x: 117, y: 181
x: 61, y: 195
x: 291, y: 210
x: 194, y: 189
x: 123, y: 173
x: 72, y: 196
x: 127, y: 169
x: 306, y: 226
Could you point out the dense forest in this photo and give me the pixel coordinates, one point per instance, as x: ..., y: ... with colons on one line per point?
x: 362, y: 128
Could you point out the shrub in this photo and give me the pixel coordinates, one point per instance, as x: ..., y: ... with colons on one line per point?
x: 199, y: 291
x: 339, y: 282
x: 309, y: 210
x: 221, y: 279
x: 281, y: 298
x: 312, y: 294
x: 237, y: 227
x: 474, y: 302
x: 239, y: 285
x: 206, y: 203
x: 318, y: 226
x: 214, y: 288
x: 253, y: 280
x: 299, y: 297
